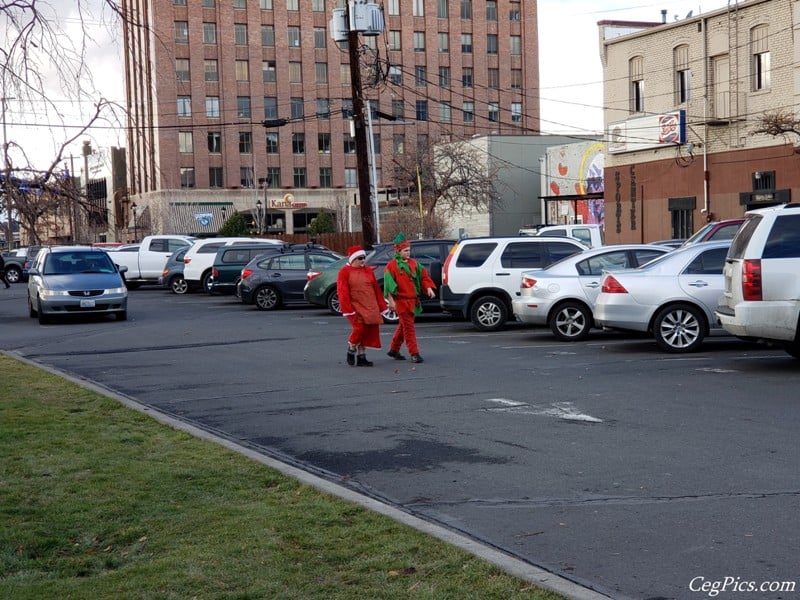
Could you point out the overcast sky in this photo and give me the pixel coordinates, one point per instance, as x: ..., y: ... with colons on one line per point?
x: 570, y: 71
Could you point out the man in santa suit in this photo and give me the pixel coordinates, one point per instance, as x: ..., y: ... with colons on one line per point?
x: 404, y: 282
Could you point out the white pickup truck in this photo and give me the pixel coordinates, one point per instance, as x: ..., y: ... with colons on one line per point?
x: 589, y: 234
x: 146, y: 264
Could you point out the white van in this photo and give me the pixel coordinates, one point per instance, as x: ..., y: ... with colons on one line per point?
x: 590, y: 234
x: 199, y: 258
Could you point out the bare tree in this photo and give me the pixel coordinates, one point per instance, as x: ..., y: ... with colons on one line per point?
x: 779, y: 123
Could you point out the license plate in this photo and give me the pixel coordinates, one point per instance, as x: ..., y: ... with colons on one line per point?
x: 87, y: 303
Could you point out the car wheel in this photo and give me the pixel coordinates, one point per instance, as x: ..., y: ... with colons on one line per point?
x: 266, y: 298
x: 679, y: 328
x: 571, y: 322
x: 205, y: 282
x: 13, y: 275
x: 390, y: 317
x: 43, y: 318
x: 178, y: 285
x: 793, y: 349
x: 333, y: 303
x: 122, y: 315
x: 31, y: 310
x: 489, y: 313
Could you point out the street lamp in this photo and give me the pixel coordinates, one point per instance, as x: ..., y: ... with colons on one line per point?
x: 224, y: 210
x: 135, y: 230
x: 259, y: 217
x: 264, y: 182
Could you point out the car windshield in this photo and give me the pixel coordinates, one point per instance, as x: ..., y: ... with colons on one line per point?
x: 69, y: 263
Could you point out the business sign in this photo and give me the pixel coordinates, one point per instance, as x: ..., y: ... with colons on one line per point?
x: 288, y: 201
x: 203, y: 218
x: 643, y: 133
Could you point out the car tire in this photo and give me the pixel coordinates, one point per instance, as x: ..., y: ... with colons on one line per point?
x: 132, y: 285
x: 178, y: 285
x: 13, y: 274
x: 43, y: 318
x: 31, y: 310
x: 333, y: 303
x: 571, y: 322
x: 489, y: 313
x: 793, y: 349
x: 679, y: 328
x: 122, y: 315
x: 390, y: 317
x: 205, y: 282
x: 266, y: 298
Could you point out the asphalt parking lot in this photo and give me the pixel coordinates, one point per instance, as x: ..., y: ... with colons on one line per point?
x: 633, y: 473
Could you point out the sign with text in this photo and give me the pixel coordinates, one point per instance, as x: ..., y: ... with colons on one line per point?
x: 643, y: 133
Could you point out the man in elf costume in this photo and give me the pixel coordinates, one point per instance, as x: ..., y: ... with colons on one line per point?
x: 404, y: 282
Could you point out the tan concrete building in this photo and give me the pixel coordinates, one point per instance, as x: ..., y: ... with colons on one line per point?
x: 203, y: 75
x: 682, y: 100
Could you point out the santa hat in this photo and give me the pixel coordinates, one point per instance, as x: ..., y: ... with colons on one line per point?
x: 354, y: 252
x: 401, y: 242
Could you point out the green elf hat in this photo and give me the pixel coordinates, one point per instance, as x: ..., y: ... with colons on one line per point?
x: 401, y: 242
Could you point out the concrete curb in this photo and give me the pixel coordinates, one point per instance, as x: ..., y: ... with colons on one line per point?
x: 507, y: 563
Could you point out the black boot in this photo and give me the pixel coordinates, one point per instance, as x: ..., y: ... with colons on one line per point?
x: 351, y: 356
x: 361, y: 361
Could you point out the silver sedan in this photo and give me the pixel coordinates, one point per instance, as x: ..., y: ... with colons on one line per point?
x: 562, y: 296
x: 672, y: 297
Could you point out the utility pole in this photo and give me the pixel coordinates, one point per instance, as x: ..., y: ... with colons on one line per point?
x: 6, y: 177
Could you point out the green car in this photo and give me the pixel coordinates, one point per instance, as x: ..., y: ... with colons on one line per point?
x: 321, y: 285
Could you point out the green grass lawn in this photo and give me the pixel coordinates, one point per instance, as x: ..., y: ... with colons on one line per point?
x: 100, y: 501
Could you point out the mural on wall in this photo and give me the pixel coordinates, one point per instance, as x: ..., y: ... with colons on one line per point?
x: 576, y: 170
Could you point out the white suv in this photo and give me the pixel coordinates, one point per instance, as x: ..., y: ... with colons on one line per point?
x: 199, y: 258
x: 482, y: 275
x: 761, y: 300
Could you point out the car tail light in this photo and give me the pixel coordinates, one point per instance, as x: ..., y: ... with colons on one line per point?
x: 186, y: 261
x: 246, y: 273
x: 446, y: 266
x: 215, y: 273
x: 751, y: 279
x: 312, y: 275
x: 612, y: 286
x: 527, y: 282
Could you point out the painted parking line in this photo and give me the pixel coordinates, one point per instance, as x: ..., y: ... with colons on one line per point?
x: 560, y: 410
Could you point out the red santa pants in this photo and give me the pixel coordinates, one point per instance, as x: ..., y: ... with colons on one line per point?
x: 363, y: 334
x: 405, y: 328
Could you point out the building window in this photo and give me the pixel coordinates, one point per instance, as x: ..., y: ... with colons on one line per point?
x: 349, y: 145
x: 419, y: 41
x: 681, y: 217
x: 422, y: 110
x: 243, y: 107
x: 347, y: 108
x: 185, y: 144
x: 239, y: 3
x: 395, y: 75
x: 321, y: 72
x: 299, y: 176
x: 211, y: 70
x: 209, y: 33
x: 292, y: 4
x: 398, y: 143
x: 214, y: 142
x: 272, y: 140
x: 268, y: 36
x: 636, y: 79
x: 515, y: 45
x: 466, y: 9
x: 179, y: 2
x: 444, y: 112
x: 418, y: 8
x: 398, y: 108
x: 240, y: 34
x: 442, y: 11
x: 265, y: 4
x: 268, y: 72
x: 466, y: 43
x: 274, y: 177
x: 187, y: 177
x: 246, y: 178
x: 444, y: 77
x: 209, y: 3
x: 318, y: 5
x: 245, y: 142
x: 324, y: 143
x: 420, y: 76
x: 514, y: 12
x: 294, y: 37
x: 215, y: 177
x: 323, y: 108
x: 468, y: 108
x: 680, y: 59
x: 443, y: 41
x: 182, y: 69
x: 493, y: 79
x: 270, y: 107
x: 494, y: 112
x: 320, y: 37
x: 466, y: 77
x: 516, y: 112
x: 759, y: 45
x: 184, y: 106
x: 376, y: 142
x: 350, y: 178
x: 491, y: 10
x: 491, y: 43
x: 295, y: 72
x: 296, y: 105
x: 181, y: 32
x: 212, y: 107
x: 344, y: 75
x: 516, y: 79
x: 325, y: 177
x: 395, y: 42
x: 242, y: 70
x: 298, y: 143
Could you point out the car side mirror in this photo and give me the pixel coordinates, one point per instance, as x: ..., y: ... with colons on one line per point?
x: 33, y: 271
x: 122, y: 269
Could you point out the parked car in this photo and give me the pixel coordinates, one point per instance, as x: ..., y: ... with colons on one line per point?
x: 562, y: 296
x: 146, y: 260
x: 761, y: 296
x: 18, y: 262
x: 75, y: 280
x: 482, y: 275
x: 226, y: 272
x: 590, y: 234
x: 431, y: 254
x: 276, y: 279
x: 199, y: 259
x: 172, y: 275
x: 674, y: 243
x: 672, y: 297
x: 716, y: 230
